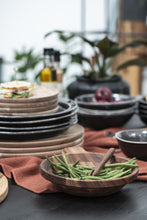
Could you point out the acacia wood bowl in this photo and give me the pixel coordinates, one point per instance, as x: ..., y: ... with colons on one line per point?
x: 86, y: 188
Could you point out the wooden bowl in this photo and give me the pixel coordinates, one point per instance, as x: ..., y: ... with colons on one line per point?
x: 86, y: 187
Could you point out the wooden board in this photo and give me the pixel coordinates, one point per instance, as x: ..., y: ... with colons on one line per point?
x: 64, y: 108
x: 40, y: 94
x: 33, y: 113
x: 72, y: 133
x: 3, y: 187
x: 28, y: 105
x: 37, y: 154
x: 33, y: 109
x: 42, y: 149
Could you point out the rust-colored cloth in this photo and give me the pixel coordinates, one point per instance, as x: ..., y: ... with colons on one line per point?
x: 103, y: 138
x: 25, y: 170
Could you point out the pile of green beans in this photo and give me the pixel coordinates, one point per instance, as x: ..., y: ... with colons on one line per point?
x: 76, y: 171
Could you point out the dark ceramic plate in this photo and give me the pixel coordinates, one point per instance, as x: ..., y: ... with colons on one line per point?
x: 35, y: 134
x: 35, y: 128
x: 65, y: 107
x: 40, y: 122
x: 120, y: 101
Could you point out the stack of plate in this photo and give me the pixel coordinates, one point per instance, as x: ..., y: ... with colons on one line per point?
x: 43, y: 99
x: 36, y: 123
x: 71, y: 137
x: 37, y: 126
x: 142, y: 107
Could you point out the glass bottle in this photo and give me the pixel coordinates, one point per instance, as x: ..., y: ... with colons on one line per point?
x: 58, y: 71
x: 48, y: 73
x: 45, y: 76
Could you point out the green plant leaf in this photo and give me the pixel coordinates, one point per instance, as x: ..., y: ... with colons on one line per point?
x: 106, y: 45
x: 79, y: 58
x: 72, y: 34
x: 132, y: 44
x: 64, y: 37
x: 135, y: 62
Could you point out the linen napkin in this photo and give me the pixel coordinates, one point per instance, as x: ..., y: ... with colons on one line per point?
x: 25, y: 170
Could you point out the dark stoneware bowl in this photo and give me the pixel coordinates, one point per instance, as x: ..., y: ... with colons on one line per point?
x: 133, y: 143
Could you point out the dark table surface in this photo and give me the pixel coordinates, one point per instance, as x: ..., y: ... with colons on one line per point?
x: 128, y: 204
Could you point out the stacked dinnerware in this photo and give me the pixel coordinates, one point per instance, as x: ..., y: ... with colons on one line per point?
x: 39, y: 125
x: 142, y: 108
x: 101, y: 115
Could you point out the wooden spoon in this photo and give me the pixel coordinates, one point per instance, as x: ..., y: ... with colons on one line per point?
x: 107, y: 156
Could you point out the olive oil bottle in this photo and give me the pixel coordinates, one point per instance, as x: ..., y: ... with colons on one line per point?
x: 48, y: 76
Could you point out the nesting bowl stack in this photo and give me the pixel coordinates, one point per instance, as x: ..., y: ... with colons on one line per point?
x: 142, y: 107
x: 101, y: 115
x: 40, y: 125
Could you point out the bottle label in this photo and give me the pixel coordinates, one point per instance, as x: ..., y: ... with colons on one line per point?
x: 45, y: 75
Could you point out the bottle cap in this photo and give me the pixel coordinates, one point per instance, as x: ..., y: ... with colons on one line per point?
x: 48, y: 51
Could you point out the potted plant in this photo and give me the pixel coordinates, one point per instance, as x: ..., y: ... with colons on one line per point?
x: 99, y: 74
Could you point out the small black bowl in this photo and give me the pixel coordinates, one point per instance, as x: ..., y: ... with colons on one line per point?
x: 133, y: 143
x: 119, y: 101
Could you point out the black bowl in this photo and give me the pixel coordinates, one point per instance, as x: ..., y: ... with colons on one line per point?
x: 142, y: 106
x: 133, y: 143
x: 143, y: 117
x: 105, y: 120
x: 143, y: 101
x: 120, y: 101
x: 142, y: 111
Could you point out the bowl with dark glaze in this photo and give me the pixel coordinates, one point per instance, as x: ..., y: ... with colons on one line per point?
x: 133, y: 143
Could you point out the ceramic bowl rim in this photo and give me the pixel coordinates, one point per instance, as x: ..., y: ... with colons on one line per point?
x: 127, y: 141
x: 108, y: 113
x: 132, y: 99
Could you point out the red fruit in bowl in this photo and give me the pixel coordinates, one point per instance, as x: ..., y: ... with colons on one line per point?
x: 103, y: 94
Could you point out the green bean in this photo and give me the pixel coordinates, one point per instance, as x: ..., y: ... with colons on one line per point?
x: 60, y: 161
x: 58, y: 166
x: 72, y: 174
x: 75, y: 170
x: 121, y: 165
x: 75, y: 164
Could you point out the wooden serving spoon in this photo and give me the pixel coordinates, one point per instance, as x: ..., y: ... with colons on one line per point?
x: 107, y: 156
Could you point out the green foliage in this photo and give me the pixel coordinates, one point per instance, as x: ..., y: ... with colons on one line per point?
x: 26, y: 60
x: 104, y: 53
